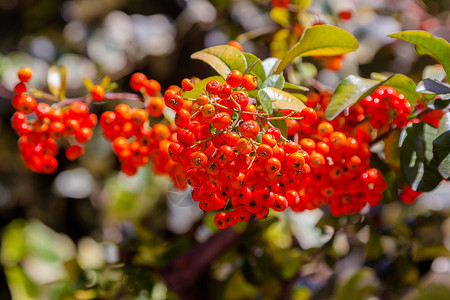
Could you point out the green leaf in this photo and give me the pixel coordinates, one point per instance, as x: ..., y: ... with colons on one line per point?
x: 427, y: 44
x: 275, y: 81
x: 320, y: 40
x: 255, y: 66
x: 280, y: 124
x: 111, y: 86
x: 292, y: 88
x: 358, y: 286
x: 13, y: 242
x: 283, y: 100
x: 354, y: 88
x: 418, y: 166
x: 200, y: 86
x: 223, y: 59
x: 349, y: 91
x: 265, y: 101
x: 259, y: 137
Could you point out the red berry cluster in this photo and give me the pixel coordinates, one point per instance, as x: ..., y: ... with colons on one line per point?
x: 231, y: 155
x: 40, y: 126
x: 385, y: 106
x: 339, y: 158
x: 134, y: 141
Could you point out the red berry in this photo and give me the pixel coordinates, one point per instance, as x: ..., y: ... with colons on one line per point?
x: 98, y: 93
x: 234, y: 78
x: 25, y: 74
x: 221, y: 121
x: 250, y: 129
x: 73, y: 152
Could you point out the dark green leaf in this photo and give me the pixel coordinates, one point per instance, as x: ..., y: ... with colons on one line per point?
x: 418, y: 167
x: 223, y: 59
x: 427, y: 44
x: 280, y: 124
x: 320, y: 40
x: 275, y: 81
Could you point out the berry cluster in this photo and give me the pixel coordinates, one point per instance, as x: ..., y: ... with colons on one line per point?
x: 225, y: 146
x: 133, y: 140
x: 40, y: 126
x: 231, y: 155
x: 339, y: 158
x: 385, y: 106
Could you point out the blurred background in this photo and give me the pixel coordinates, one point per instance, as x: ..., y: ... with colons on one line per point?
x: 90, y: 232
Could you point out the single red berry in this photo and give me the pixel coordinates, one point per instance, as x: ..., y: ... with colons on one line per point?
x: 182, y: 118
x: 212, y: 87
x: 73, y: 152
x: 98, y: 93
x: 187, y: 84
x: 309, y: 115
x: 137, y: 81
x: 239, y: 97
x: 221, y: 121
x: 234, y: 79
x: 20, y: 88
x: 250, y: 129
x: 25, y: 74
x: 249, y: 82
x: 224, y: 91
